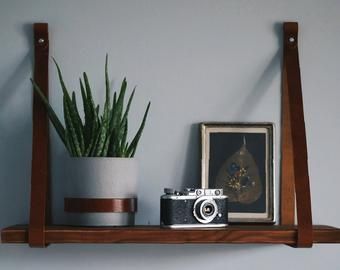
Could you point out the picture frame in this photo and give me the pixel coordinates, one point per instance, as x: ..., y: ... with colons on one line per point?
x: 239, y: 157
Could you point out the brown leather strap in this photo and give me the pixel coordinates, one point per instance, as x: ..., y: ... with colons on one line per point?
x: 287, y: 205
x: 87, y: 205
x: 292, y: 84
x: 40, y: 145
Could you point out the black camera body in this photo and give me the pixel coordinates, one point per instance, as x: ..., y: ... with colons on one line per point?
x: 194, y: 208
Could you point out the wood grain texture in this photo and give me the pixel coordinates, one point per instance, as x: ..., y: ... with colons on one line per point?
x: 40, y: 145
x: 154, y: 234
x: 298, y: 133
x: 88, y: 205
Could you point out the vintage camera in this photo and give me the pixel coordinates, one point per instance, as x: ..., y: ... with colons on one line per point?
x: 194, y: 208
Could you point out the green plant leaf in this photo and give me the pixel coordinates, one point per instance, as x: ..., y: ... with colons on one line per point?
x: 51, y: 113
x: 78, y: 123
x: 71, y: 129
x: 116, y: 116
x: 89, y: 94
x: 107, y: 105
x: 103, y: 143
x: 105, y: 150
x: 69, y: 143
x: 124, y: 137
x: 125, y: 152
x: 120, y: 102
x: 128, y: 107
x: 88, y: 116
x: 62, y: 83
x: 134, y: 143
x: 72, y: 110
x: 100, y: 141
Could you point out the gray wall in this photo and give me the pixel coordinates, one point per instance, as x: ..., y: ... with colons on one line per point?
x: 196, y: 61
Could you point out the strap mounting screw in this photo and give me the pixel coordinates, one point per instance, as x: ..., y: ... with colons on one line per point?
x: 291, y: 39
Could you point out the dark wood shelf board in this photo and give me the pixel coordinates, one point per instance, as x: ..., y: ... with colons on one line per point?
x: 154, y: 234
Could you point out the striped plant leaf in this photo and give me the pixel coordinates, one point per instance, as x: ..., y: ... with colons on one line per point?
x: 133, y: 146
x: 100, y: 134
x: 78, y: 122
x: 72, y: 110
x: 51, y: 113
x: 70, y: 127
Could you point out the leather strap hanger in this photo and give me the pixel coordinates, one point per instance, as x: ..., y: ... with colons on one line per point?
x: 40, y: 145
x: 294, y: 146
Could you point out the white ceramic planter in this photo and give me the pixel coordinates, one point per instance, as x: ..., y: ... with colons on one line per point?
x: 100, y: 178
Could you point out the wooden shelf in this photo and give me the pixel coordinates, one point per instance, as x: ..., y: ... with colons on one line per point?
x: 233, y: 234
x: 295, y: 189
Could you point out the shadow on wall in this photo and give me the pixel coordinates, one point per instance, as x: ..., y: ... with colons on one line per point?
x: 16, y: 130
x: 128, y: 256
x: 192, y: 169
x: 152, y: 254
x: 260, y: 88
x: 262, y: 85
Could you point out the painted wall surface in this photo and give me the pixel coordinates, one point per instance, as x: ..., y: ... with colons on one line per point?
x: 196, y: 61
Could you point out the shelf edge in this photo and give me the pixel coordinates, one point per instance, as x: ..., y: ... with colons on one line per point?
x: 155, y: 235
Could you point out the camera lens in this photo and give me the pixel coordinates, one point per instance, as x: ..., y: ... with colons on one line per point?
x: 205, y: 209
x: 208, y: 209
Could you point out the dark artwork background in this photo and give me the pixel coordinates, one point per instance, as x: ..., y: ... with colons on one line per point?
x: 223, y: 146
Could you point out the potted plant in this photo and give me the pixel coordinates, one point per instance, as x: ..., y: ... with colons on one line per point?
x: 101, y: 166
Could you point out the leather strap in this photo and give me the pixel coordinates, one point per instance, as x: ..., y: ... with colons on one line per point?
x: 287, y: 205
x: 292, y: 90
x: 40, y: 144
x: 88, y: 205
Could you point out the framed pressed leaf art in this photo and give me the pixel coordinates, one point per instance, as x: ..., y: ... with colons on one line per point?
x: 239, y: 158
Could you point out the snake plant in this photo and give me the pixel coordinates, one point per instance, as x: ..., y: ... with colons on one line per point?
x: 99, y: 135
